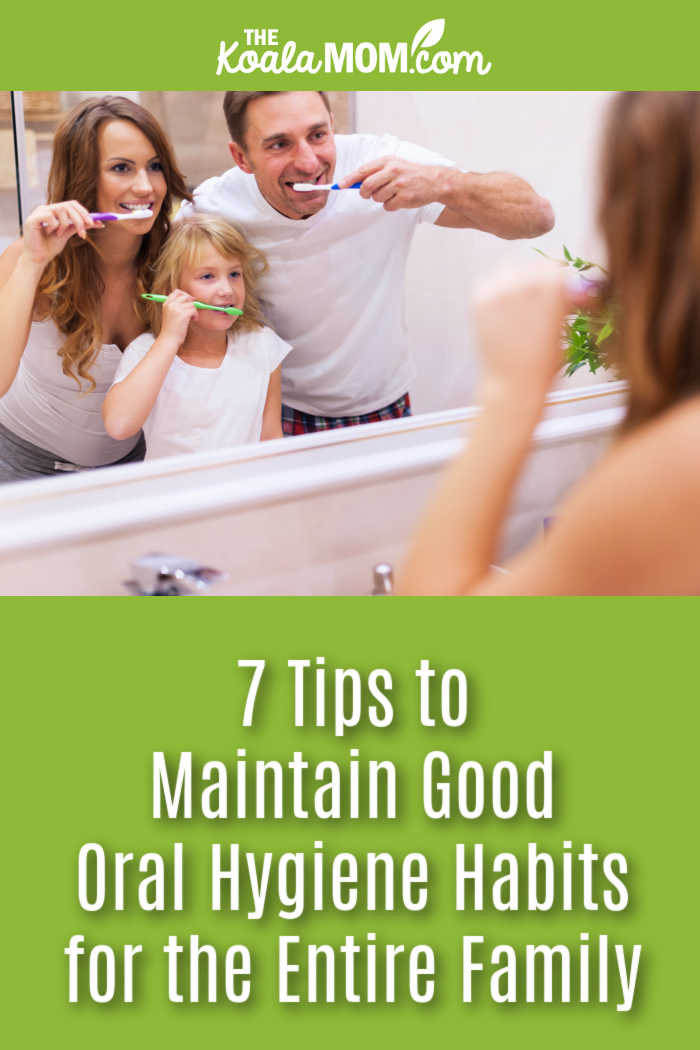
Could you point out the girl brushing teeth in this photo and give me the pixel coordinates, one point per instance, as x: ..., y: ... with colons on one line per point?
x: 201, y: 379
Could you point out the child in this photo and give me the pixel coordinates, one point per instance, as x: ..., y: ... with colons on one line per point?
x: 200, y: 379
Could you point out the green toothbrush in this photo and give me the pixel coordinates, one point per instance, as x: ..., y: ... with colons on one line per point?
x: 233, y: 310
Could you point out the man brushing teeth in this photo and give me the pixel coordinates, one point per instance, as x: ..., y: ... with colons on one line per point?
x: 286, y: 140
x: 335, y: 284
x: 322, y: 177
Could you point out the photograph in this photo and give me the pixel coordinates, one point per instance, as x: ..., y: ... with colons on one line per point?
x: 276, y: 375
x: 300, y: 309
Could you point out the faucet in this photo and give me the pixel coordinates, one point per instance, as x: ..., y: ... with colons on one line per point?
x: 383, y: 578
x: 170, y: 576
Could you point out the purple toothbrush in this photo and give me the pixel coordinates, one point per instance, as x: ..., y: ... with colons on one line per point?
x: 112, y: 216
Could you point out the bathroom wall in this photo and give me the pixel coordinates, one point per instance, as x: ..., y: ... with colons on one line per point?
x: 547, y: 137
x: 550, y: 138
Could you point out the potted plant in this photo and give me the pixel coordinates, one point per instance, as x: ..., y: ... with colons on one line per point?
x: 585, y: 331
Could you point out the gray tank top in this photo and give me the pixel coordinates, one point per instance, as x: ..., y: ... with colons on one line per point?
x: 45, y: 407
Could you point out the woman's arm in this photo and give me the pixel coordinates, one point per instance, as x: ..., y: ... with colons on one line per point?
x: 46, y: 232
x: 272, y: 413
x: 458, y: 535
x: 519, y: 324
x: 129, y: 402
x: 630, y: 527
x: 19, y: 280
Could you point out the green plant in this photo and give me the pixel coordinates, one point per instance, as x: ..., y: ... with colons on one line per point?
x: 585, y: 331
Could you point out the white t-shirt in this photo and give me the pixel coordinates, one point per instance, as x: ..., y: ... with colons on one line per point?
x: 209, y: 408
x: 335, y: 287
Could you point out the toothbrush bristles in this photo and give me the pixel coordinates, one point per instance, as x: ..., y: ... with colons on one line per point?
x: 143, y: 213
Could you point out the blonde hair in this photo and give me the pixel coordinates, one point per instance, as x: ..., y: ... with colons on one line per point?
x: 182, y: 249
x: 71, y: 283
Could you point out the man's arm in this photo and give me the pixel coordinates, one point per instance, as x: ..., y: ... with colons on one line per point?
x: 498, y: 203
x: 272, y: 412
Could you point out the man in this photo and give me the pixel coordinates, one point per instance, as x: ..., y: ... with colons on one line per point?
x: 334, y: 288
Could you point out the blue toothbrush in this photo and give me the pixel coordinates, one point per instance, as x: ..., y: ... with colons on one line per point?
x: 309, y: 187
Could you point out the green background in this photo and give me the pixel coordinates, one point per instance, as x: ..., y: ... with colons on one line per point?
x: 93, y: 686
x: 540, y: 45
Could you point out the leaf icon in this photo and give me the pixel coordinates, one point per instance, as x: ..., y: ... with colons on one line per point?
x: 429, y: 34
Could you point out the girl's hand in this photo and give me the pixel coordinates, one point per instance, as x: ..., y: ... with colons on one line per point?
x: 49, y: 228
x: 178, y: 311
x: 519, y: 322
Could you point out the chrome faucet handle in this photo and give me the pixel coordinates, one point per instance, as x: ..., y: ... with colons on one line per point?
x: 171, y: 576
x: 383, y: 578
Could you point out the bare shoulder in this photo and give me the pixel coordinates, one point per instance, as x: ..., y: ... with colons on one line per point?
x: 666, y: 451
x: 680, y: 426
x: 631, y: 526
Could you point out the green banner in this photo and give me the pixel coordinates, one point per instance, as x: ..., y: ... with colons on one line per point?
x: 360, y: 46
x: 498, y: 847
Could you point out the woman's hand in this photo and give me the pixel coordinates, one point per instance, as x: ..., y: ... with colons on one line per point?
x: 519, y: 318
x: 49, y: 228
x: 46, y: 233
x: 178, y: 311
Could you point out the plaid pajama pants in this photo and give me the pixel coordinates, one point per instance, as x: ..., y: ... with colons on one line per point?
x: 296, y: 422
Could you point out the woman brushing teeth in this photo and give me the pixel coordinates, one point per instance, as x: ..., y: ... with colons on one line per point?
x: 69, y: 290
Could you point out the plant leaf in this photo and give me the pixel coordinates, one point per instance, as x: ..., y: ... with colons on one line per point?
x: 605, y: 331
x: 429, y: 34
x: 567, y: 254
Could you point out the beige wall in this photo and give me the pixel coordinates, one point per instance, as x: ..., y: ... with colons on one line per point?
x: 547, y: 137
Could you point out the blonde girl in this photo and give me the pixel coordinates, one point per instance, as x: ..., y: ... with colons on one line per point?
x: 201, y: 379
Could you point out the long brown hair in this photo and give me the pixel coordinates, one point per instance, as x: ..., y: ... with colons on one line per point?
x: 649, y: 213
x: 182, y: 248
x: 71, y: 283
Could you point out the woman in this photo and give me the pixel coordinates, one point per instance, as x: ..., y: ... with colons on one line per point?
x: 70, y: 289
x: 632, y: 525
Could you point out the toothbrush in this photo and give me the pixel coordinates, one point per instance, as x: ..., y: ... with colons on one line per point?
x: 309, y: 187
x: 112, y: 216
x: 232, y: 310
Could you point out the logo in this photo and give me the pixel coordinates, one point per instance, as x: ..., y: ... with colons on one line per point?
x: 263, y: 52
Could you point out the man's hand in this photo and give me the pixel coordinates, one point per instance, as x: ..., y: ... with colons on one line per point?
x: 398, y: 183
x: 497, y: 202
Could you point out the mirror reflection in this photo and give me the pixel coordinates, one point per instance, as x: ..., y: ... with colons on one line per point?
x: 281, y: 306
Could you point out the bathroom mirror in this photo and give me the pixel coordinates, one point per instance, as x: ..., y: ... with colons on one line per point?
x: 548, y: 138
x: 312, y: 516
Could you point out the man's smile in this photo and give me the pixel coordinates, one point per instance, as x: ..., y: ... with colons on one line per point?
x: 321, y: 177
